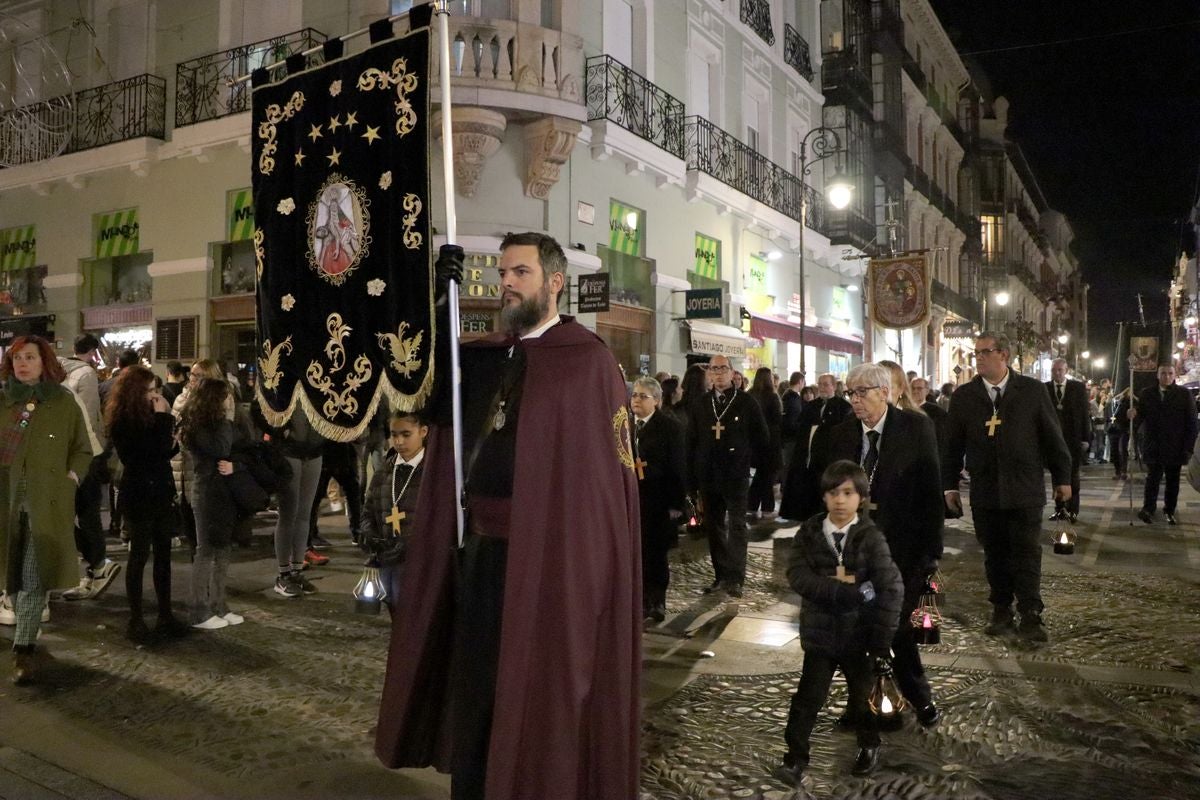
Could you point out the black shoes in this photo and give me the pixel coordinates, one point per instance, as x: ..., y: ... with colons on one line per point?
x: 1058, y: 514
x: 1071, y: 515
x: 733, y: 589
x: 868, y: 759
x: 846, y: 723
x: 1002, y: 622
x: 1170, y: 518
x: 715, y: 586
x: 788, y: 774
x: 928, y: 715
x: 1032, y: 628
x: 1146, y: 516
x: 137, y: 631
x: 655, y: 614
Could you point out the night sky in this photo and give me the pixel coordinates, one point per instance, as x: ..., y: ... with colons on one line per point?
x: 1106, y: 106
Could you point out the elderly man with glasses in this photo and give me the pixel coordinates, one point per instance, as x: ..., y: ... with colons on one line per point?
x: 659, y: 466
x: 726, y: 437
x: 898, y: 450
x: 1005, y: 426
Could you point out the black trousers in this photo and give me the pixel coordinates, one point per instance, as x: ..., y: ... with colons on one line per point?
x: 89, y: 530
x: 476, y: 659
x: 1012, y: 555
x: 726, y: 537
x: 762, y: 491
x: 340, y: 462
x: 813, y: 691
x: 1154, y: 475
x: 657, y: 537
x: 1072, y: 506
x: 150, y: 527
x: 1118, y: 451
x: 906, y: 658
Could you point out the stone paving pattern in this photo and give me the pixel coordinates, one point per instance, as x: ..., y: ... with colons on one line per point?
x: 284, y: 705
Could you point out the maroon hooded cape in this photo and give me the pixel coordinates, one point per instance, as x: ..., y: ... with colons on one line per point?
x: 567, y: 704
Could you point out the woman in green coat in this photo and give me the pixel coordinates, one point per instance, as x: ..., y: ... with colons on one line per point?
x: 44, y: 448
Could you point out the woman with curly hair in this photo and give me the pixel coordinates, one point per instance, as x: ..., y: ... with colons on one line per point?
x: 142, y: 429
x: 44, y: 450
x: 207, y: 432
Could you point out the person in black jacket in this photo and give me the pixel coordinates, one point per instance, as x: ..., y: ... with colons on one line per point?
x: 142, y: 429
x: 1118, y: 434
x: 906, y: 502
x: 762, y: 485
x: 659, y: 466
x: 801, y: 491
x: 920, y: 393
x: 1004, y: 425
x: 850, y: 591
x: 793, y: 406
x: 1165, y: 417
x: 726, y: 437
x: 1070, y: 401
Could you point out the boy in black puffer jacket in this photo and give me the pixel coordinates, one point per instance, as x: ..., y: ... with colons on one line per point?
x: 841, y: 566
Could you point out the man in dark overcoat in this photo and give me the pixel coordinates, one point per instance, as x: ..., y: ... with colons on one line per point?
x: 801, y: 491
x: 1165, y: 417
x: 1005, y: 426
x: 726, y: 437
x: 1071, y: 407
x: 659, y: 464
x: 920, y: 392
x: 898, y: 451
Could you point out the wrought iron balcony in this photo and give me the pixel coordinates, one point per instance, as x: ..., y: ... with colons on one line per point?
x: 119, y: 111
x: 757, y: 15
x: 850, y: 227
x: 844, y: 82
x: 617, y: 93
x: 202, y: 85
x: 796, y: 53
x: 942, y: 295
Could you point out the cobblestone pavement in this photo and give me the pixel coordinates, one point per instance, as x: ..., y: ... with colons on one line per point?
x: 284, y: 705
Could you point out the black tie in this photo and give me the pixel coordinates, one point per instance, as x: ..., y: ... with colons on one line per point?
x: 1058, y: 387
x: 637, y: 435
x: 838, y: 539
x: 872, y: 457
x: 996, y: 398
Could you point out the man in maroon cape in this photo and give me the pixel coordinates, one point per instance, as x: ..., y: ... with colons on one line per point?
x: 514, y: 662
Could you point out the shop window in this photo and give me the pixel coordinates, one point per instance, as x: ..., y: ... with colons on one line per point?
x: 175, y: 338
x: 117, y: 279
x: 236, y: 267
x: 629, y: 277
x: 839, y: 365
x: 22, y: 291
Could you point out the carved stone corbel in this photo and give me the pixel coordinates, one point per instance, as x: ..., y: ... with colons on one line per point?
x: 477, y: 134
x: 548, y: 145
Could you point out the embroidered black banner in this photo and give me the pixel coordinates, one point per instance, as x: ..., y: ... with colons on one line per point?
x: 341, y: 209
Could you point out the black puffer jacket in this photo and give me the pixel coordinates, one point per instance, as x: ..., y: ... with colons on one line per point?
x: 834, y: 620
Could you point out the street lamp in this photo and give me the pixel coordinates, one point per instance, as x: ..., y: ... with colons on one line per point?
x: 1001, y: 299
x: 1098, y: 363
x: 824, y: 143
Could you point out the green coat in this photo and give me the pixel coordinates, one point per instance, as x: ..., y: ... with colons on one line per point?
x: 55, y: 443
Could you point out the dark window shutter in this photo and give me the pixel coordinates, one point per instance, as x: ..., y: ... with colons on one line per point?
x: 176, y: 337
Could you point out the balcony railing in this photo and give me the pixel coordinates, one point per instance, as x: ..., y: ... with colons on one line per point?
x: 757, y: 15
x: 116, y: 112
x: 796, y: 52
x: 510, y: 56
x: 203, y: 88
x: 843, y: 80
x: 620, y: 95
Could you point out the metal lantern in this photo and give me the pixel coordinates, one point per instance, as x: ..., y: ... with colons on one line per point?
x: 936, y: 585
x: 926, y: 621
x: 886, y: 702
x: 1064, y: 540
x: 369, y: 593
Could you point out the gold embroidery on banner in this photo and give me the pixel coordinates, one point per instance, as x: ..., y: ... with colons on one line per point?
x: 403, y: 351
x: 268, y: 368
x: 405, y: 83
x: 259, y: 252
x: 620, y: 423
x: 266, y: 130
x: 412, y: 204
x: 338, y: 400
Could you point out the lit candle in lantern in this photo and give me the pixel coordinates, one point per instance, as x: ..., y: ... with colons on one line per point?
x: 927, y: 622
x: 885, y: 706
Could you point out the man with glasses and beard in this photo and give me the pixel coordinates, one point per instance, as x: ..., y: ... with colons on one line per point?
x: 514, y: 661
x: 1005, y: 426
x: 726, y: 436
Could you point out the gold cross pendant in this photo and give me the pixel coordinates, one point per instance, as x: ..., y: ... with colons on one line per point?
x: 992, y: 424
x: 717, y: 429
x: 640, y: 466
x: 842, y: 576
x: 395, y: 518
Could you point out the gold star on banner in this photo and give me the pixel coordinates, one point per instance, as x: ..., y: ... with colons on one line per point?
x: 299, y: 158
x: 351, y: 120
x: 315, y: 133
x: 334, y: 122
x: 333, y: 157
x: 371, y: 135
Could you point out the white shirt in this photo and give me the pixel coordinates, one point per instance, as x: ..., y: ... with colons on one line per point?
x: 538, y: 331
x: 645, y: 418
x: 830, y: 529
x: 416, y: 460
x: 1002, y: 385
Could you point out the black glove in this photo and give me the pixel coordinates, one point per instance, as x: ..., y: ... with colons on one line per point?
x: 448, y: 267
x: 882, y: 663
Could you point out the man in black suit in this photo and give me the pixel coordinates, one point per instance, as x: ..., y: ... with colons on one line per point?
x: 726, y: 437
x: 793, y: 406
x: 898, y: 451
x: 920, y: 392
x: 1165, y: 416
x: 1071, y: 404
x: 802, y: 490
x: 1005, y: 426
x: 659, y: 466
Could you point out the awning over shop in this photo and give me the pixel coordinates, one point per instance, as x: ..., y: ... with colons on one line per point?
x: 766, y: 327
x: 715, y: 339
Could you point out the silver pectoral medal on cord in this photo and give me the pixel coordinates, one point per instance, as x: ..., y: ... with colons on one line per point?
x: 499, y: 420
